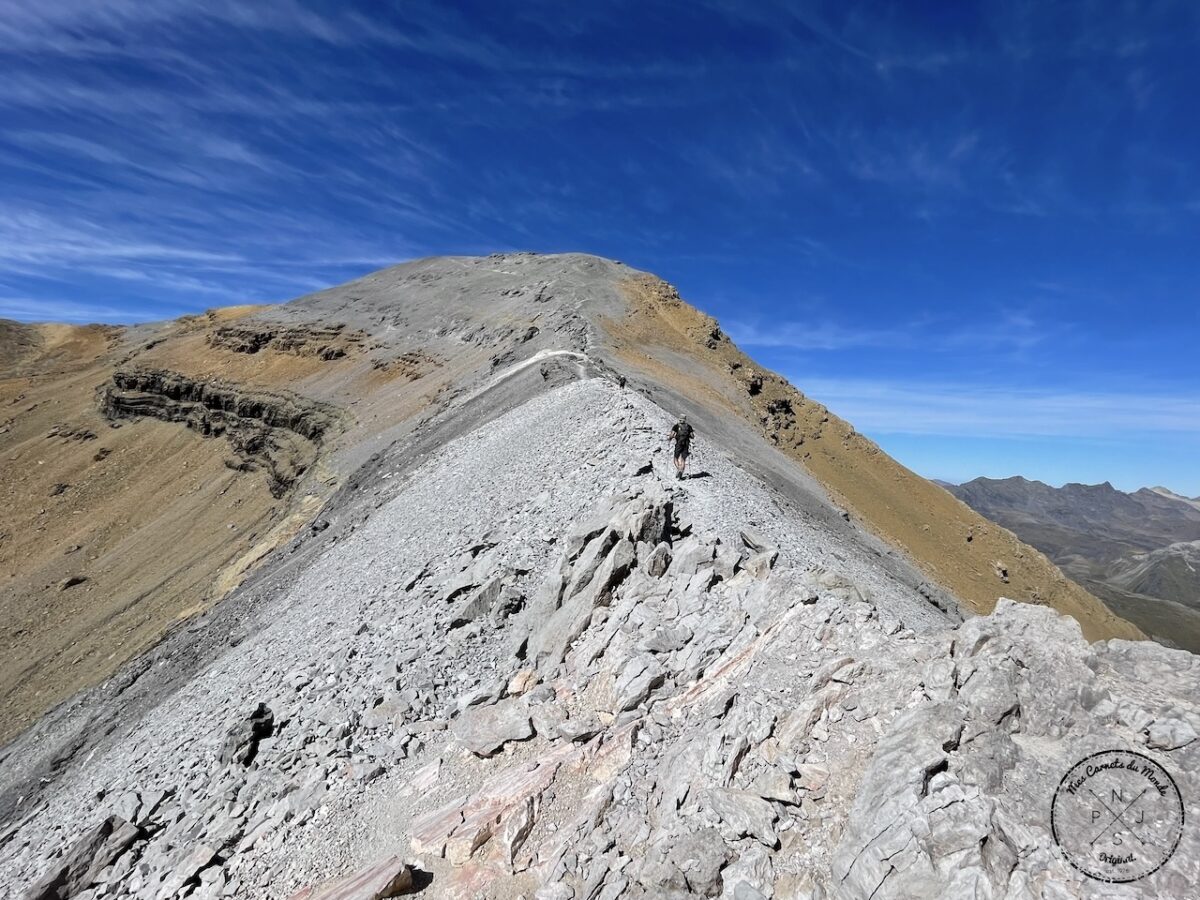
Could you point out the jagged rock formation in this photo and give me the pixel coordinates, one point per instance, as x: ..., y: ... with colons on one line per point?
x: 512, y: 657
x: 278, y: 430
x: 329, y: 342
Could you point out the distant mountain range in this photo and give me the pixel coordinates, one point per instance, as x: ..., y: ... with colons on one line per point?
x: 1138, y: 551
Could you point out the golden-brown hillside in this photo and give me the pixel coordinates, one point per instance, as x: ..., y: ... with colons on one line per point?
x: 672, y: 342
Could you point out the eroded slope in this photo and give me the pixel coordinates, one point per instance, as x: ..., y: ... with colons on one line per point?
x: 146, y: 471
x: 674, y: 347
x: 110, y: 531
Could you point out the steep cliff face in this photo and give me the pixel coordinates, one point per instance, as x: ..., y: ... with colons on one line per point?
x: 279, y: 431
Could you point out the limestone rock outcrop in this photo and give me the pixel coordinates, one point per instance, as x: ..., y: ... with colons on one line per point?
x: 276, y: 430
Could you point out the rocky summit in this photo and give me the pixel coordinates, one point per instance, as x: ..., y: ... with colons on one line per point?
x: 419, y: 608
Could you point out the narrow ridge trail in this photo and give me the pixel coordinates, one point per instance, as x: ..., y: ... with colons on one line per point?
x: 541, y: 667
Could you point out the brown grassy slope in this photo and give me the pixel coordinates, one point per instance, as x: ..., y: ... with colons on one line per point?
x: 148, y: 514
x: 666, y: 339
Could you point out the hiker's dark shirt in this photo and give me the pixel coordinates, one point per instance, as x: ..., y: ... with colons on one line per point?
x: 682, y: 433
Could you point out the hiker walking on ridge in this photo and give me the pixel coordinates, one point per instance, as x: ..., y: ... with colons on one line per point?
x: 681, y: 434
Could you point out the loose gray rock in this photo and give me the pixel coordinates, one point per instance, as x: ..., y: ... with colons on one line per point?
x: 242, y: 739
x: 486, y: 729
x: 713, y: 718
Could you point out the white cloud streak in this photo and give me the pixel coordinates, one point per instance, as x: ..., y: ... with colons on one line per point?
x: 28, y: 309
x: 33, y: 239
x: 815, y: 335
x: 1008, y: 330
x: 950, y: 410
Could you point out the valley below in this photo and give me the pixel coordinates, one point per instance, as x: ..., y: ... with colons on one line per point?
x: 1138, y: 552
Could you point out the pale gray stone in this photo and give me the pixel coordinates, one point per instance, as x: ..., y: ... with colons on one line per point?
x: 486, y: 729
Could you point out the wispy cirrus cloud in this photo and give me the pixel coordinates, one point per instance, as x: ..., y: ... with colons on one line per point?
x: 34, y: 239
x: 30, y: 309
x: 996, y: 411
x: 818, y: 335
x: 1010, y: 329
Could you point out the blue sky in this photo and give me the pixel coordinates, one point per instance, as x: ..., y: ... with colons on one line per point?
x: 972, y: 229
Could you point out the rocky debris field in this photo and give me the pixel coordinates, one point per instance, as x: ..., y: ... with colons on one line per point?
x: 543, y: 668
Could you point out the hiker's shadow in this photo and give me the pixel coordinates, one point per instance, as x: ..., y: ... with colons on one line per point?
x: 697, y: 475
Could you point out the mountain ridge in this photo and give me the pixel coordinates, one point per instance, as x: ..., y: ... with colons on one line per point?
x: 385, y: 364
x: 481, y: 642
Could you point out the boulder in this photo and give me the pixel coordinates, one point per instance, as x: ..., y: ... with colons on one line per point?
x: 522, y: 682
x: 689, y: 555
x: 1170, y: 734
x: 589, y: 562
x: 684, y: 865
x: 667, y: 639
x: 658, y: 560
x: 241, y: 741
x: 633, y: 685
x: 550, y: 642
x: 478, y: 602
x: 746, y: 814
x: 727, y: 563
x: 647, y: 519
x: 188, y: 868
x: 754, y: 540
x: 760, y: 564
x: 749, y: 877
x: 78, y: 868
x: 390, y: 877
x: 516, y: 830
x: 485, y: 730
